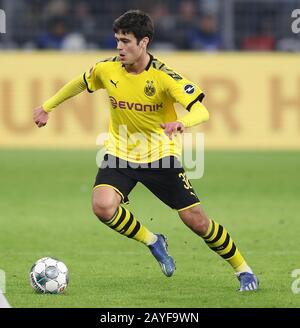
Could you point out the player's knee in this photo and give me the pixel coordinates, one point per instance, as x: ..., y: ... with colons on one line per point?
x: 105, y: 207
x: 104, y: 211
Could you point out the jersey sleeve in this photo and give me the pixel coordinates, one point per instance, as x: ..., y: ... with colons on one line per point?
x: 182, y: 90
x: 69, y: 90
x: 92, y: 78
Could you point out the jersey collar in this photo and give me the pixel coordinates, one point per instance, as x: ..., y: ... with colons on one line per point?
x: 148, y: 65
x: 150, y: 62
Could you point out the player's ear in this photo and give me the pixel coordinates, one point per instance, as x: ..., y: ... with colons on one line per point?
x: 144, y: 42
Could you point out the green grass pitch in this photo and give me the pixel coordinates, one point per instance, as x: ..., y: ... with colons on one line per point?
x: 45, y: 211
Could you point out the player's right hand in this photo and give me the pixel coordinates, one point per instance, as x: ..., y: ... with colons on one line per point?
x: 40, y: 117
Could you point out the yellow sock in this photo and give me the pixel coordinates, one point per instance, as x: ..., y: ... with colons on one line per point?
x: 219, y: 240
x: 125, y: 223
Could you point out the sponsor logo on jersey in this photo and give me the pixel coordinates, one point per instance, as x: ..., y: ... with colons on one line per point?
x: 122, y: 104
x: 149, y: 88
x: 189, y: 89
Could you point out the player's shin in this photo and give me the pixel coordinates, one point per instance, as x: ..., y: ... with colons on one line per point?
x: 218, y: 239
x: 125, y: 223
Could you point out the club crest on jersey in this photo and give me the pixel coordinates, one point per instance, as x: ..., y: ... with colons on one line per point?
x: 189, y: 89
x: 149, y: 88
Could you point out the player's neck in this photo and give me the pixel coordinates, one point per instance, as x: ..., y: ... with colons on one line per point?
x: 140, y: 65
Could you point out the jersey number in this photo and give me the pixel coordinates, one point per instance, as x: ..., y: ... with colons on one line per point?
x: 186, y: 182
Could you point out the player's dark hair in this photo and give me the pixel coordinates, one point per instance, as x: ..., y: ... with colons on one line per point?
x: 136, y: 22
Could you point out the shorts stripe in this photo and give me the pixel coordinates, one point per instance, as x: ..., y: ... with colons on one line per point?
x: 185, y: 208
x: 108, y: 185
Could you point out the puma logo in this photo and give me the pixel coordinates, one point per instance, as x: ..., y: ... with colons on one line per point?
x: 114, y: 83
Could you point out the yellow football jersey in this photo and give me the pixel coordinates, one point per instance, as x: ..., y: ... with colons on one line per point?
x: 139, y: 104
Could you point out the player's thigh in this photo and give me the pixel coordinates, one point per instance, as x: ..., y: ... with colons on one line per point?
x: 115, y: 179
x: 172, y: 187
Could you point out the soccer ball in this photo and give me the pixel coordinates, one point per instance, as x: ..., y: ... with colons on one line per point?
x: 49, y: 275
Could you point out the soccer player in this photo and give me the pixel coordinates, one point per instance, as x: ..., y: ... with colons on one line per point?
x: 143, y: 145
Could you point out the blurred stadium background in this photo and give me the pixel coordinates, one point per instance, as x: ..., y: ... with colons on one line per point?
x: 242, y: 53
x: 205, y: 25
x: 245, y: 57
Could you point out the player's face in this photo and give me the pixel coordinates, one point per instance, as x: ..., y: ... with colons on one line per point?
x: 129, y: 50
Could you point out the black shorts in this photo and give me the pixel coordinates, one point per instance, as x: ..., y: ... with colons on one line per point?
x: 169, y: 184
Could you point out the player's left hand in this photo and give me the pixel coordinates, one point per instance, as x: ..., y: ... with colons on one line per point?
x: 172, y: 128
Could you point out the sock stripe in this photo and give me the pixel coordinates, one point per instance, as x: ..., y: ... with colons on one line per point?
x: 114, y: 217
x: 211, y: 231
x: 128, y: 224
x: 230, y: 253
x: 218, y: 236
x: 222, y: 246
x: 135, y: 230
x: 120, y: 220
x: 124, y: 222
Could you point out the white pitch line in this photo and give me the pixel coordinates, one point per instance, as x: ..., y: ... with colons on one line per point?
x: 3, y: 301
